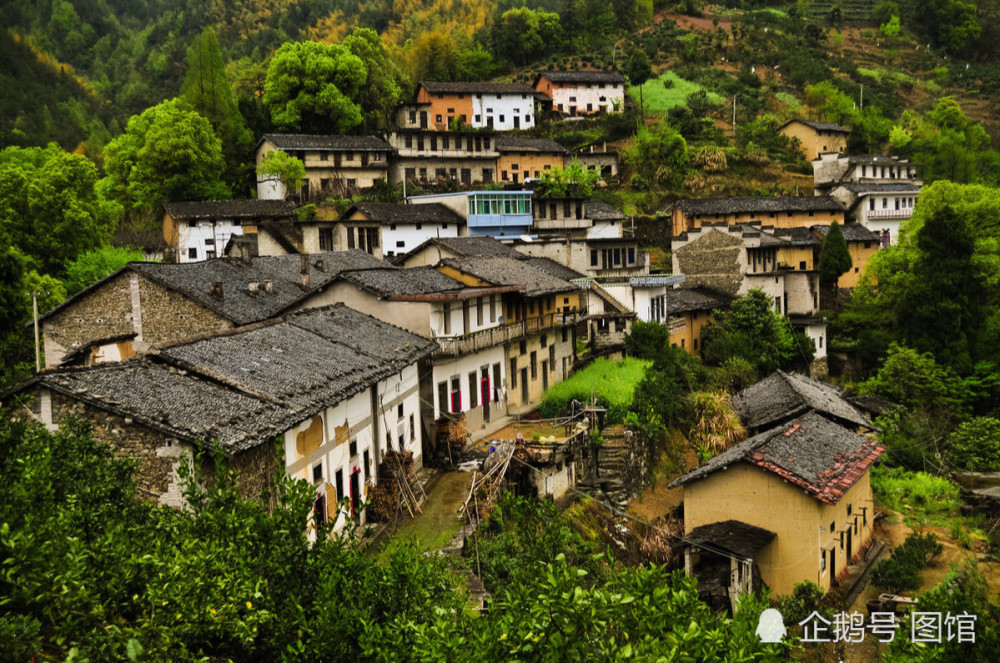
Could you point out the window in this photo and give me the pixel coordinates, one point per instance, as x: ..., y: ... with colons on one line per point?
x: 408, y: 140
x: 545, y: 340
x: 802, y: 264
x: 340, y: 484
x: 850, y: 507
x: 352, y: 183
x: 410, y: 173
x: 442, y: 396
x: 523, y: 347
x: 192, y: 254
x: 493, y: 309
x: 446, y: 314
x: 434, y: 143
x: 317, y: 472
x: 477, y: 118
x: 367, y: 462
x: 413, y: 429
x: 352, y: 448
x: 479, y: 311
x: 420, y: 142
x: 631, y: 256
x: 593, y: 258
x: 413, y: 117
x: 437, y: 118
x: 513, y: 373
x: 400, y: 244
x: 534, y: 365
x: 326, y: 239
x: 501, y: 118
x: 552, y: 358
x: 473, y: 390
x: 565, y: 333
x: 456, y: 394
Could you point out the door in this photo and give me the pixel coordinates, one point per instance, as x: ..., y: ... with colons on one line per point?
x: 517, y: 121
x: 423, y: 119
x: 850, y: 542
x: 833, y: 566
x: 465, y: 317
x: 545, y: 375
x: 485, y: 392
x: 356, y: 493
x: 524, y: 386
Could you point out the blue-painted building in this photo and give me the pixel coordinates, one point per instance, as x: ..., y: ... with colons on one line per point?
x: 497, y: 214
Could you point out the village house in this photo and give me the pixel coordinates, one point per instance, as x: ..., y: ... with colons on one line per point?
x: 522, y: 158
x: 686, y: 311
x: 425, y: 156
x: 573, y: 93
x: 446, y: 106
x: 606, y: 322
x: 328, y: 390
x: 544, y: 315
x: 404, y: 227
x: 601, y: 158
x: 817, y: 138
x: 144, y: 304
x: 335, y: 165
x: 862, y: 244
x: 505, y: 214
x: 200, y: 230
x: 734, y: 259
x: 789, y: 504
x: 776, y: 211
x: 878, y: 192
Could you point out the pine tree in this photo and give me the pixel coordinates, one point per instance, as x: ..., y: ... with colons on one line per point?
x: 834, y: 258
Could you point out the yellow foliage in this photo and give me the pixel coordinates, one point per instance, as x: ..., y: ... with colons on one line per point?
x: 332, y: 29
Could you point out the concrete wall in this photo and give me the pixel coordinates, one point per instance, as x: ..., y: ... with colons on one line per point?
x: 426, y: 169
x: 802, y: 524
x: 322, y: 165
x: 201, y: 240
x: 411, y: 316
x: 860, y: 256
x: 480, y: 110
x: 126, y: 304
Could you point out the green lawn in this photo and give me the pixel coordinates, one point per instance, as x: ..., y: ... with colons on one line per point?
x: 659, y: 99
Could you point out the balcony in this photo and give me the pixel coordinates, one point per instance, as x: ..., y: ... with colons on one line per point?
x: 457, y: 346
x: 494, y: 223
x: 904, y: 213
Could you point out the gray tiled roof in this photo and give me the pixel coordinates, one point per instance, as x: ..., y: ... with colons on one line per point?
x: 239, y: 243
x: 556, y: 269
x: 458, y: 87
x: 247, y: 387
x: 196, y: 280
x: 400, y: 213
x: 511, y: 271
x: 880, y: 187
x: 781, y: 396
x: 821, y: 126
x: 395, y: 281
x: 759, y: 205
x: 683, y: 300
x: 598, y: 210
x: 325, y: 142
x: 814, y: 453
x: 516, y: 143
x: 230, y: 209
x: 476, y: 246
x: 732, y: 536
x: 797, y: 236
x: 853, y: 232
x: 583, y: 76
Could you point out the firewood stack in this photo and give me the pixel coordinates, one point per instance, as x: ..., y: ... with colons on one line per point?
x: 397, y: 489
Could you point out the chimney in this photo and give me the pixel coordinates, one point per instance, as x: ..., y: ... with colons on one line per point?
x: 319, y: 265
x: 217, y: 289
x: 253, y: 287
x: 268, y: 285
x: 304, y: 272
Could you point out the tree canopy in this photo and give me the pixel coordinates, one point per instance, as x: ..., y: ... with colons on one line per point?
x: 167, y: 153
x: 834, y: 258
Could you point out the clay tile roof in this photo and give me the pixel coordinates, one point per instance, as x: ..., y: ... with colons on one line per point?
x: 323, y: 142
x: 457, y: 87
x: 759, y: 205
x: 386, y: 213
x: 783, y: 395
x: 853, y: 232
x: 230, y: 209
x: 820, y: 456
x: 820, y: 126
x: 517, y: 143
x: 732, y: 536
x: 598, y: 210
x: 394, y: 281
x: 498, y: 270
x: 582, y: 76
x: 683, y: 300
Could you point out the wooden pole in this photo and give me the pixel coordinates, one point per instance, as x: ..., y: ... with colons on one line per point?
x: 38, y: 351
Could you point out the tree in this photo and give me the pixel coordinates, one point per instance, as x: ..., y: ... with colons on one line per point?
x: 942, y: 311
x: 167, y: 153
x: 474, y: 64
x: 834, y: 258
x: 647, y: 340
x: 94, y: 265
x: 917, y: 382
x: 522, y: 35
x: 51, y: 206
x: 315, y: 88
x: 659, y: 157
x: 290, y: 171
x: 638, y: 72
x: 207, y: 90
x: 380, y: 93
x: 574, y: 181
x: 952, y: 25
x: 752, y: 329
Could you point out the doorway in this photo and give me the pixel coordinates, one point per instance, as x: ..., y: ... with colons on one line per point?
x: 356, y: 494
x: 850, y: 544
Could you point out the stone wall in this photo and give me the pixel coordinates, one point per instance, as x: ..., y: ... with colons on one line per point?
x: 109, y: 311
x: 711, y: 261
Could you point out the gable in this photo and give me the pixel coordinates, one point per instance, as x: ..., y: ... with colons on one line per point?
x: 712, y: 261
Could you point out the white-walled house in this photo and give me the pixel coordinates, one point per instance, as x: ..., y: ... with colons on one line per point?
x: 335, y: 387
x: 200, y: 230
x: 445, y: 106
x: 574, y: 93
x: 404, y: 227
x: 334, y: 164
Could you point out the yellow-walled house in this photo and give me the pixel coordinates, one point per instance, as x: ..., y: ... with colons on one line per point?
x: 775, y: 211
x: 790, y: 504
x: 525, y: 157
x: 817, y: 138
x: 862, y: 244
x: 687, y: 311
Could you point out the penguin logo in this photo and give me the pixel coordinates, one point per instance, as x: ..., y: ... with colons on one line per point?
x: 771, y: 627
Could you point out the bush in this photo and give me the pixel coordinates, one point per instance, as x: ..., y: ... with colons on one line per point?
x: 975, y: 446
x: 894, y: 576
x: 802, y: 602
x: 901, y: 572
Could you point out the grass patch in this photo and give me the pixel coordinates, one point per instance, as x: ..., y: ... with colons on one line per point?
x: 668, y: 91
x: 789, y: 100
x: 613, y: 384
x: 438, y: 523
x: 922, y: 498
x: 878, y: 73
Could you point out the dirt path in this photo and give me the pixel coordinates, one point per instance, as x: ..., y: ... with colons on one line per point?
x: 440, y: 521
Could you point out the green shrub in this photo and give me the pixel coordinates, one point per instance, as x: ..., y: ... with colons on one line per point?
x: 901, y: 572
x: 975, y: 445
x: 802, y: 602
x: 924, y: 493
x: 894, y: 576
